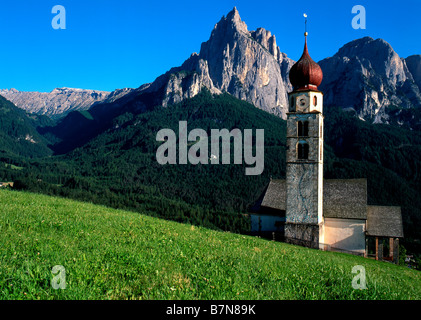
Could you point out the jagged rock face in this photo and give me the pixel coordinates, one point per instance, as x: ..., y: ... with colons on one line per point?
x: 188, y: 80
x: 368, y: 76
x: 116, y: 94
x: 246, y: 64
x: 56, y: 103
x: 414, y: 65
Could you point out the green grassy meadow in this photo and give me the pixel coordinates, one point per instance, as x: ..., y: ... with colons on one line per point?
x: 115, y: 254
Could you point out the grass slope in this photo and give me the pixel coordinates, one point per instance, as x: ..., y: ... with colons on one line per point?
x: 114, y: 254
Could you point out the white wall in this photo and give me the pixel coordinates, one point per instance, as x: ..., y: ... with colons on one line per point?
x: 345, y: 234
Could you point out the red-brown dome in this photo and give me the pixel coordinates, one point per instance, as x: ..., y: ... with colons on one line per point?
x: 305, y: 73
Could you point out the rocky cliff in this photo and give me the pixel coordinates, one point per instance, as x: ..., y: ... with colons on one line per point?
x: 365, y: 75
x: 247, y: 64
x: 368, y: 77
x: 414, y: 66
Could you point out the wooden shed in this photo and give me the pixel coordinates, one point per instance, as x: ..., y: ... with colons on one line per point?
x: 384, y: 222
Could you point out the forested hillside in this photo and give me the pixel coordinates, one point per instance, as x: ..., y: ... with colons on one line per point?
x: 118, y: 167
x: 18, y: 134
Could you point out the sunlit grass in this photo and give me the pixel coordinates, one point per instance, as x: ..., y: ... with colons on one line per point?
x: 114, y: 254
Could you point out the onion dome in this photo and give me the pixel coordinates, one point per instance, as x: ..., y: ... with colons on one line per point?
x: 305, y: 74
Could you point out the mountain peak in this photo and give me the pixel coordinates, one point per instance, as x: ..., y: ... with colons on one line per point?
x: 232, y: 22
x: 234, y: 14
x: 247, y: 64
x: 365, y: 45
x: 12, y: 90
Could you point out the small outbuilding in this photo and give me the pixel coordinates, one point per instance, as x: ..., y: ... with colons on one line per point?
x: 385, y: 223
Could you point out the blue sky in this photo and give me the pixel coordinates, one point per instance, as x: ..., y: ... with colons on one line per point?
x: 110, y: 44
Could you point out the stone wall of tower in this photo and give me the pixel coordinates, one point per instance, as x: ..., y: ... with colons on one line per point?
x: 302, y: 193
x: 306, y: 235
x: 304, y: 178
x: 304, y: 201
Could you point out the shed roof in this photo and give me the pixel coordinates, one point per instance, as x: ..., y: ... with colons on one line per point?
x: 384, y: 221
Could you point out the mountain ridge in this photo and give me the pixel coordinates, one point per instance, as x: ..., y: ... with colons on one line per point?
x: 226, y: 63
x: 56, y: 103
x: 365, y: 75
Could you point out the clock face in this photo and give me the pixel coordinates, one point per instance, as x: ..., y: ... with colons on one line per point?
x: 302, y: 103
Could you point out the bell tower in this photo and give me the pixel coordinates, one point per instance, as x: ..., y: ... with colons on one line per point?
x: 304, y: 156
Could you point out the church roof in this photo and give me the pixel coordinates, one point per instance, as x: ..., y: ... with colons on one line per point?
x: 384, y: 221
x: 345, y: 199
x: 276, y: 195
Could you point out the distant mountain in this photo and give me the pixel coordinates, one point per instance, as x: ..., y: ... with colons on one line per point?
x: 56, y: 103
x: 365, y: 75
x: 368, y: 77
x: 247, y: 64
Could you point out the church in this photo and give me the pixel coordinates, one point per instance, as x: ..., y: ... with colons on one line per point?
x: 308, y: 210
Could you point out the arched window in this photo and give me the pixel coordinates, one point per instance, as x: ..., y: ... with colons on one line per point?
x: 302, y: 128
x: 302, y: 150
x: 315, y: 101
